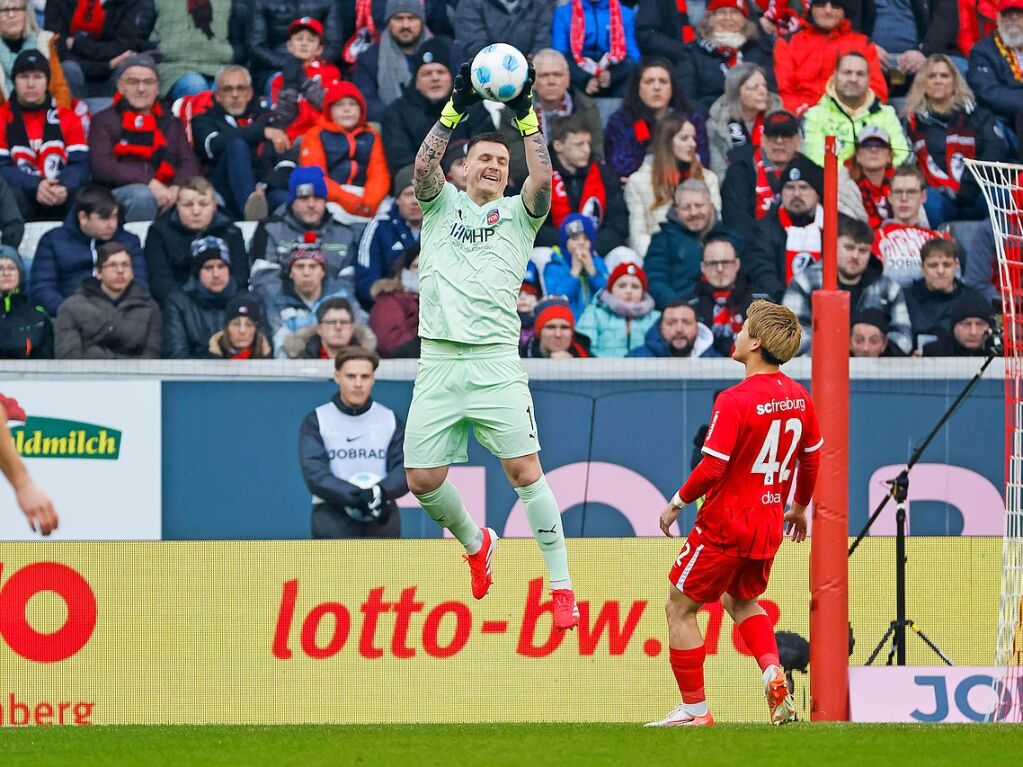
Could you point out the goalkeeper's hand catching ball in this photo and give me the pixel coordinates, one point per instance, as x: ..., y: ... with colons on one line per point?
x: 463, y: 97
x: 522, y: 107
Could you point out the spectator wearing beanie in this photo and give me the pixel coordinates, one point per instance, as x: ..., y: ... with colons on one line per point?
x: 555, y: 336
x: 868, y: 336
x: 408, y: 120
x: 271, y: 25
x: 110, y: 316
x: 305, y: 214
x: 617, y: 320
x: 349, y: 152
x: 195, y: 313
x: 334, y: 329
x: 387, y: 237
x: 598, y: 37
x: 725, y: 37
x: 136, y: 148
x: 972, y: 321
x: 576, y: 270
x: 679, y: 333
x: 25, y: 330
x: 394, y: 318
x: 169, y: 244
x: 804, y: 62
x: 241, y: 337
x: 43, y: 154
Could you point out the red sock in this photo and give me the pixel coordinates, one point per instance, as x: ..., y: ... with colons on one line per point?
x: 687, y: 666
x: 758, y: 634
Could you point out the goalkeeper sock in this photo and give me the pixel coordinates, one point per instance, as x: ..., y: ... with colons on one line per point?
x: 445, y: 507
x: 545, y: 519
x: 687, y: 666
x: 758, y: 634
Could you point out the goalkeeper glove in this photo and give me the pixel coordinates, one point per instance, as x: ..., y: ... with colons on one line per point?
x: 522, y: 107
x: 463, y: 96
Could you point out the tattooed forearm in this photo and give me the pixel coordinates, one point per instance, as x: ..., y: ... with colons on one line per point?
x: 536, y: 191
x: 427, y: 176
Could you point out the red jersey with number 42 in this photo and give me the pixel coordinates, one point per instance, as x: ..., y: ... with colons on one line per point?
x: 761, y: 428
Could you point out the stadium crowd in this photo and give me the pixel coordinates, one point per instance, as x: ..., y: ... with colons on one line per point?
x: 263, y: 150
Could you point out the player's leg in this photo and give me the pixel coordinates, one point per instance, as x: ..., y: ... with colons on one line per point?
x: 686, y: 654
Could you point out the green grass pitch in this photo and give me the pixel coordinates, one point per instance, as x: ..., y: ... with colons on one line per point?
x: 802, y: 744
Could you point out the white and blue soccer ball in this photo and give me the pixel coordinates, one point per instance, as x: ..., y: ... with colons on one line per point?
x: 499, y: 72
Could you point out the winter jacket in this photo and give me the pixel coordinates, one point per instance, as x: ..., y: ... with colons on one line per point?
x: 261, y: 348
x: 612, y: 230
x: 597, y: 41
x: 876, y: 292
x: 269, y: 33
x: 805, y: 62
x: 625, y: 152
x: 656, y: 345
x: 91, y: 326
x: 186, y: 48
x: 764, y: 258
x: 930, y: 312
x: 408, y: 120
x: 20, y: 166
x: 582, y: 105
x: 644, y: 218
x: 214, y: 128
x: 168, y: 252
x: 614, y: 327
x: 950, y: 347
x: 113, y: 171
x: 478, y: 23
x: 738, y: 193
x: 659, y: 25
x: 364, y: 75
x: 382, y: 243
x: 438, y: 14
x: 12, y: 225
x: 724, y: 324
x: 191, y: 317
x: 991, y: 78
x: 65, y: 257
x: 305, y: 343
x: 122, y: 31
x: 352, y: 162
x: 719, y: 132
x: 701, y: 71
x: 289, y: 313
x: 672, y: 262
x: 580, y: 291
x: 25, y: 330
x: 937, y: 25
x: 276, y: 237
x: 395, y: 315
x: 832, y: 118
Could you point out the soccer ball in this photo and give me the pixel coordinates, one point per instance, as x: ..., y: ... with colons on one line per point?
x: 499, y: 72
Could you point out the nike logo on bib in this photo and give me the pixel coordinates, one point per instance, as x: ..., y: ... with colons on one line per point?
x: 352, y: 439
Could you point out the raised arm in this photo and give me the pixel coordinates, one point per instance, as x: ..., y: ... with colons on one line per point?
x: 536, y: 190
x: 428, y: 179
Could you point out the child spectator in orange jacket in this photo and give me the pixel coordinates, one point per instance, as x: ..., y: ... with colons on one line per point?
x: 305, y: 43
x: 350, y: 153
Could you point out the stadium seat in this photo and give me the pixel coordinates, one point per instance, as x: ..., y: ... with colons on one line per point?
x: 963, y: 233
x: 140, y: 229
x: 34, y: 230
x: 248, y: 229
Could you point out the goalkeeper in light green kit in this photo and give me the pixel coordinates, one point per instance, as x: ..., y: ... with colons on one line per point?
x: 474, y: 248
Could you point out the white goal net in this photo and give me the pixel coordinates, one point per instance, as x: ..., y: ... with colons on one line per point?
x: 1002, y: 185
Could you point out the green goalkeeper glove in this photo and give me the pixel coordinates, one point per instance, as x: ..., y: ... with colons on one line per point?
x: 522, y: 107
x: 463, y: 96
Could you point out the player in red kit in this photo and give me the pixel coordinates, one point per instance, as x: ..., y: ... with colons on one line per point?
x: 759, y: 430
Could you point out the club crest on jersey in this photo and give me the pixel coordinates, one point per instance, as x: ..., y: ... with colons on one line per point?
x: 493, y: 217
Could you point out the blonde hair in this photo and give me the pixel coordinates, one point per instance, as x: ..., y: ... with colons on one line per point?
x: 199, y: 185
x: 777, y: 329
x: 916, y: 99
x: 665, y: 175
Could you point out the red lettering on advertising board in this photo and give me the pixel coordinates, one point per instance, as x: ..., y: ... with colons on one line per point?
x: 404, y: 608
x: 608, y: 618
x: 342, y: 621
x: 463, y: 625
x: 19, y: 713
x: 371, y: 608
x: 78, y: 598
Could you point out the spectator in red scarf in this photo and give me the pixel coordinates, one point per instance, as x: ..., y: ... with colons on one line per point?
x: 652, y: 94
x: 137, y: 149
x: 308, y: 75
x: 996, y: 67
x: 737, y: 118
x: 724, y: 38
x: 899, y: 240
x: 753, y: 182
x: 583, y: 185
x: 96, y: 37
x: 723, y: 295
x: 663, y: 28
x: 43, y: 154
x: 598, y: 37
x: 804, y: 63
x: 864, y: 181
x: 241, y: 338
x: 946, y: 126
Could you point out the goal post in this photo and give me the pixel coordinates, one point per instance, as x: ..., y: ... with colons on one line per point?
x: 829, y: 562
x: 1002, y: 186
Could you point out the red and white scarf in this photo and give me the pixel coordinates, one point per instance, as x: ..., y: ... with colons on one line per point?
x: 766, y: 195
x: 686, y: 31
x: 577, y: 39
x: 875, y: 198
x: 729, y: 56
x: 803, y: 244
x: 592, y: 200
x: 960, y: 145
x: 365, y: 32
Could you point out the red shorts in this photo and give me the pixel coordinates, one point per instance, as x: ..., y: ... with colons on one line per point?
x: 703, y: 572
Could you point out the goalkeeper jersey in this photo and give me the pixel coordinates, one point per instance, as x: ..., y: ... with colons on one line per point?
x: 472, y: 260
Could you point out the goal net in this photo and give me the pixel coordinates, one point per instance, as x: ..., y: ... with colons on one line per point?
x: 1002, y: 185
